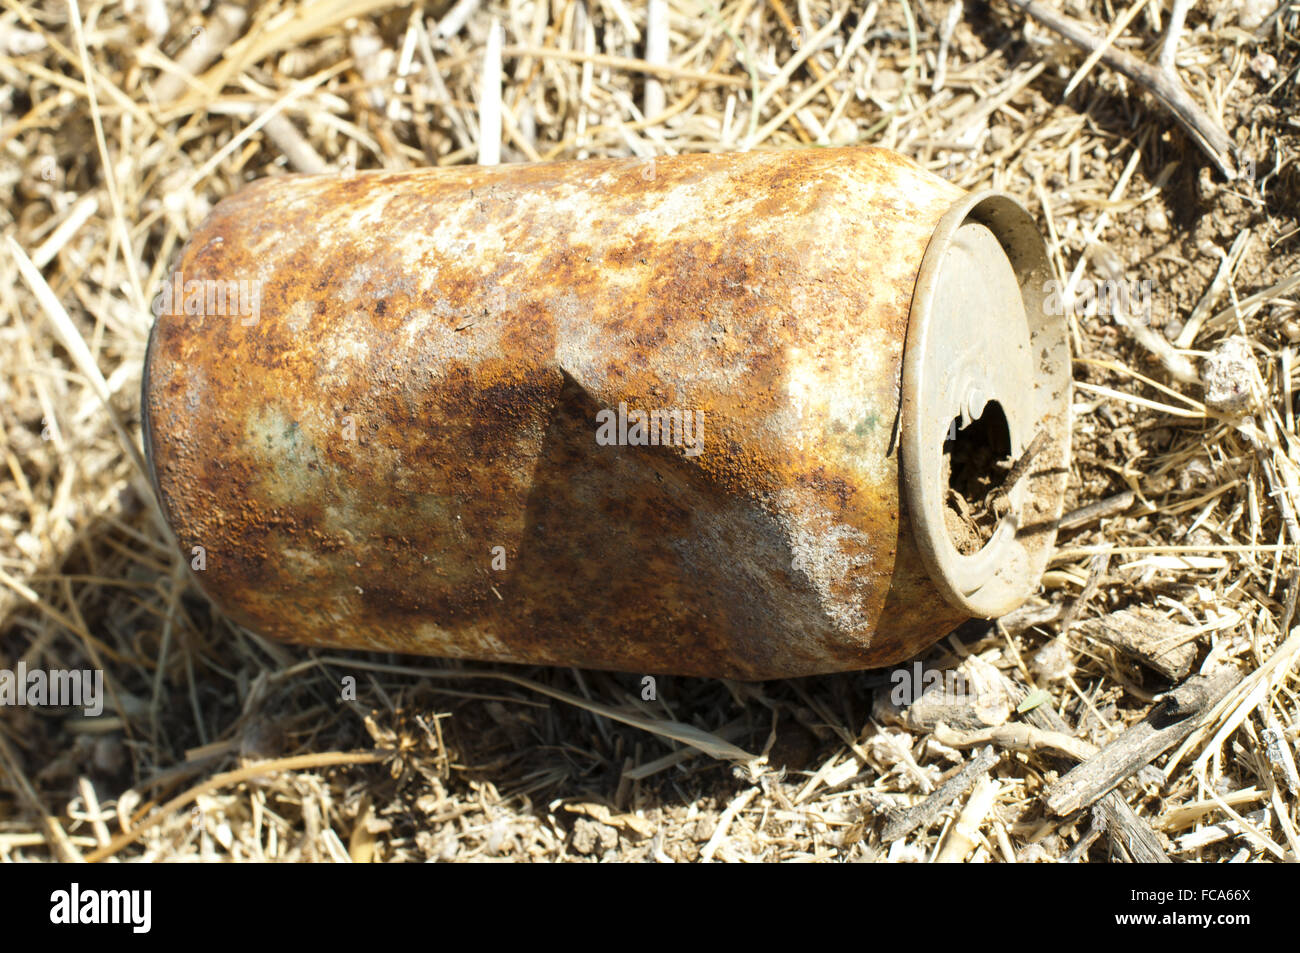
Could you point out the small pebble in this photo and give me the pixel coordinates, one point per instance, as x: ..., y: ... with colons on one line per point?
x: 1206, y: 185
x: 1227, y: 375
x: 1264, y: 65
x: 590, y: 836
x: 1000, y: 137
x: 1156, y: 219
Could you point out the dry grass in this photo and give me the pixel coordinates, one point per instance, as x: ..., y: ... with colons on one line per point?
x: 120, y: 132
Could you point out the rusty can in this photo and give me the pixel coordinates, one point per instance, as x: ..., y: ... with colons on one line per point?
x: 736, y: 415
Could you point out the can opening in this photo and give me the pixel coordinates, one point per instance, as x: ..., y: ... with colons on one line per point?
x: 975, y: 464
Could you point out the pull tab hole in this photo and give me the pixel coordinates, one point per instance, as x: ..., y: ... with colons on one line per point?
x: 975, y: 464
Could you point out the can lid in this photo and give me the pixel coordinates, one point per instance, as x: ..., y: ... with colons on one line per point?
x: 986, y: 374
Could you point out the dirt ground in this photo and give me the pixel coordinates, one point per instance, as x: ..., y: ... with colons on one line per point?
x: 122, y: 124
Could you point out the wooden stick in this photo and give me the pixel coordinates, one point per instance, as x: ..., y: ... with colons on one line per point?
x: 964, y: 835
x: 1126, y: 829
x: 1096, y: 511
x: 1018, y: 737
x: 1208, y: 135
x: 903, y: 823
x: 1160, y: 644
x: 1167, y: 724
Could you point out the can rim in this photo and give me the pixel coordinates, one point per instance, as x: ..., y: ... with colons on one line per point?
x: 1008, y: 567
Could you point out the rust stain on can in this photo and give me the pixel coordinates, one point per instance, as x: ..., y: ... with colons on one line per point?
x: 422, y: 384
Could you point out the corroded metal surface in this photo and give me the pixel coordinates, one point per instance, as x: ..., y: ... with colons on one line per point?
x: 422, y: 382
